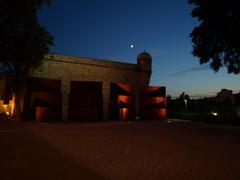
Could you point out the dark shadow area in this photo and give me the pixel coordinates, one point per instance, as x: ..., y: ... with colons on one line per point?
x: 85, y: 101
x: 219, y: 109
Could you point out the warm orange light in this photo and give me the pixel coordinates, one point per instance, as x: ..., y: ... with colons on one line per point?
x: 160, y: 100
x: 8, y: 109
x: 127, y: 87
x: 123, y: 113
x: 12, y: 104
x: 162, y: 113
x: 5, y: 106
x: 40, y: 113
x: 125, y: 99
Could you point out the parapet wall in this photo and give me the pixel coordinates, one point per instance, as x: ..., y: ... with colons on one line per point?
x: 60, y: 67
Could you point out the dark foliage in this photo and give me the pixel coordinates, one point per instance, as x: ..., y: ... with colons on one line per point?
x: 216, y: 39
x: 23, y: 41
x: 228, y: 112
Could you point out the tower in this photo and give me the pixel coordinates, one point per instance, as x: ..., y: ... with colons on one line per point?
x: 144, y: 61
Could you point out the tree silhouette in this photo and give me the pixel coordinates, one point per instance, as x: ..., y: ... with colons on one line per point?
x: 216, y: 39
x: 23, y: 41
x: 184, y: 96
x: 169, y: 97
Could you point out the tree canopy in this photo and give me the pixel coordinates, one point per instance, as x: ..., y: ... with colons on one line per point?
x: 217, y: 38
x: 23, y: 41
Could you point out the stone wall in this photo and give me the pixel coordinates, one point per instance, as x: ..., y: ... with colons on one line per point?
x: 72, y: 68
x: 85, y: 69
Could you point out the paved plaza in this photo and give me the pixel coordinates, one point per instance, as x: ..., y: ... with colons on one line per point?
x: 174, y: 150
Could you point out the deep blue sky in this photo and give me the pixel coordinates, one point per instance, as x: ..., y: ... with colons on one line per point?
x: 105, y: 29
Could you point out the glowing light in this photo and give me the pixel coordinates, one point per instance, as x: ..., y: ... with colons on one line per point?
x: 131, y: 46
x: 125, y: 99
x: 123, y: 113
x: 12, y: 105
x: 5, y: 105
x: 162, y: 113
x: 214, y: 113
x: 8, y: 109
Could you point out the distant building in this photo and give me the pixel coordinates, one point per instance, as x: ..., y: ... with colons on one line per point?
x: 76, y: 88
x: 225, y: 95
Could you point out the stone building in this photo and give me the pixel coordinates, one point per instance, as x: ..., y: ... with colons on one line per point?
x: 76, y: 88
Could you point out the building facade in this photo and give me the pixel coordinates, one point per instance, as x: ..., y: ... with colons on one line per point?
x: 76, y: 88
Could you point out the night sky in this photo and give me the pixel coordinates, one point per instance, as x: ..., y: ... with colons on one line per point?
x: 106, y: 29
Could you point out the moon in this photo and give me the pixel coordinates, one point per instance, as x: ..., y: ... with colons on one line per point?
x: 131, y: 46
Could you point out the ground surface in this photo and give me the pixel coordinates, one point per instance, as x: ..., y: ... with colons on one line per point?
x: 23, y: 156
x: 124, y: 150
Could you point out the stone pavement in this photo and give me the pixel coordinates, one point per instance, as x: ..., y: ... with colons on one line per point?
x: 154, y: 150
x: 23, y: 156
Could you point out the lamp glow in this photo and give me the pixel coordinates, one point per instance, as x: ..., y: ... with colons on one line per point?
x: 214, y: 113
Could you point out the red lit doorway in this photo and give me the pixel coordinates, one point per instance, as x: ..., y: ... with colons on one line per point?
x: 121, y: 101
x: 42, y: 100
